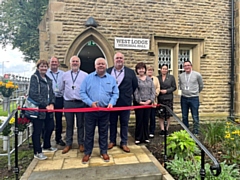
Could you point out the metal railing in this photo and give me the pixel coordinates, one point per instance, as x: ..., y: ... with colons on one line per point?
x: 11, y: 146
x: 215, y: 169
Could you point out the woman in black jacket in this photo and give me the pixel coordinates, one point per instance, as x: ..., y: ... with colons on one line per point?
x: 41, y: 92
x: 165, y: 97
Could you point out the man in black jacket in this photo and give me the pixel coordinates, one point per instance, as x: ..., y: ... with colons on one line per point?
x: 127, y: 83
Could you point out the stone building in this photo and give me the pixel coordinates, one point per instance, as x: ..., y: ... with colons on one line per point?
x: 154, y: 32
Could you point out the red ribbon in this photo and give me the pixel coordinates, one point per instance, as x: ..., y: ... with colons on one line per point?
x: 90, y: 109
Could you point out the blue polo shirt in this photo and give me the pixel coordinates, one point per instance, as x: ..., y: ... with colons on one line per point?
x: 102, y: 89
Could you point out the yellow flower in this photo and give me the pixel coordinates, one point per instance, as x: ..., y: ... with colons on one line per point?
x: 237, y: 120
x: 16, y: 86
x: 8, y: 86
x: 227, y: 136
x: 12, y: 120
x: 1, y: 83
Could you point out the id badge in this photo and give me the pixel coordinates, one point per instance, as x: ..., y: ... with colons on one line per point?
x: 56, y: 89
x: 186, y: 88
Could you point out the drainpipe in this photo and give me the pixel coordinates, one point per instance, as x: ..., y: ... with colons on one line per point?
x: 232, y: 63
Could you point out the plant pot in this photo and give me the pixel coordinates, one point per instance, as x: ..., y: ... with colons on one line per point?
x: 6, y: 103
x: 5, y: 143
x: 20, y: 137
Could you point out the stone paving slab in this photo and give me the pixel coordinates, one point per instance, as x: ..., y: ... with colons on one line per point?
x: 138, y: 164
x: 142, y: 171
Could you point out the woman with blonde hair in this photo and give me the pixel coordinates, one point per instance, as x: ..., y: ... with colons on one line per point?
x: 156, y: 84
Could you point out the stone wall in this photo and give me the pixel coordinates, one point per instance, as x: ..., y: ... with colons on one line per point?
x: 209, y: 20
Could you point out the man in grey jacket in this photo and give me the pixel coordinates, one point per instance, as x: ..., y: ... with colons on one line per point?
x: 191, y: 84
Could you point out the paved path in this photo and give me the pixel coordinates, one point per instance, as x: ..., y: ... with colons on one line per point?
x: 138, y: 164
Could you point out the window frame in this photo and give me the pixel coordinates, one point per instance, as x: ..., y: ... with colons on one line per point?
x: 175, y: 43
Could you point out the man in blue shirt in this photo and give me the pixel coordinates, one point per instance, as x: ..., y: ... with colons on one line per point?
x: 99, y: 89
x: 56, y: 75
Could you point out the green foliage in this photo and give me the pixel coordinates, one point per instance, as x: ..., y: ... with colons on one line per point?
x: 231, y: 143
x: 19, y: 25
x: 213, y: 133
x: 186, y: 170
x: 7, y: 130
x: 181, y: 144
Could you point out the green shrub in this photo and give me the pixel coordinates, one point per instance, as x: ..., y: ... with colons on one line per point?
x: 181, y: 144
x: 186, y: 170
x: 213, y: 132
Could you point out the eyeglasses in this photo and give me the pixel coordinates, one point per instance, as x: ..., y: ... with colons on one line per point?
x: 187, y: 65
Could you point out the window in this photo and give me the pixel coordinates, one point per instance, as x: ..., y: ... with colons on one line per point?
x: 165, y: 56
x: 174, y: 51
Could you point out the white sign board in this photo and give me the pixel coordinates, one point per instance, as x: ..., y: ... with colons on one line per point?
x: 131, y: 43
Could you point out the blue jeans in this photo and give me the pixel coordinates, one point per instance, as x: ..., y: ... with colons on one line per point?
x: 152, y: 125
x: 124, y: 118
x: 91, y: 120
x: 191, y: 103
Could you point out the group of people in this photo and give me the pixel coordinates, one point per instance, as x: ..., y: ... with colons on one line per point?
x: 116, y: 86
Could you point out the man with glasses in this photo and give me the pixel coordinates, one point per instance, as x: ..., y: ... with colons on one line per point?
x: 191, y: 84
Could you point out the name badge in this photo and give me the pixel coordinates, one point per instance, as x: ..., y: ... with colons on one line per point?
x: 56, y: 89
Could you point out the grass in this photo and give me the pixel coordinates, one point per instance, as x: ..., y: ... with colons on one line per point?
x: 25, y: 156
x: 5, y: 113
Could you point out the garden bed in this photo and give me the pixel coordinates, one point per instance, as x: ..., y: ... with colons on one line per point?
x: 213, y: 141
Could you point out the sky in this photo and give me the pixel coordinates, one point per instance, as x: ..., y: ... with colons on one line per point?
x: 11, y: 62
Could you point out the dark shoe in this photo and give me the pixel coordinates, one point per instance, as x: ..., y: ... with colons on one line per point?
x: 125, y: 148
x: 151, y: 135
x: 105, y: 157
x: 66, y: 149
x: 137, y: 142
x: 86, y: 158
x: 81, y: 148
x: 162, y: 133
x: 111, y: 145
x: 61, y: 143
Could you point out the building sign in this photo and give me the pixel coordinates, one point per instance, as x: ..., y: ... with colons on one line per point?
x: 131, y: 43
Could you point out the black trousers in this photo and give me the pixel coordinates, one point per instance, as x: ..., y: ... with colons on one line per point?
x: 142, y: 120
x: 44, y: 126
x: 58, y: 118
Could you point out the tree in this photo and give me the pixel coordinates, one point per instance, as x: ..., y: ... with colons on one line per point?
x: 19, y: 20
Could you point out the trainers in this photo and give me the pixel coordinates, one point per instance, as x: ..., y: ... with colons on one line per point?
x: 151, y: 135
x: 40, y: 156
x: 147, y: 141
x: 51, y: 149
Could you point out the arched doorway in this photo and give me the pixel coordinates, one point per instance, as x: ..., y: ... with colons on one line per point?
x: 88, y: 53
x: 78, y: 47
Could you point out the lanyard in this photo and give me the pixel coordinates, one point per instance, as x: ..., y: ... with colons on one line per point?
x: 187, y: 79
x: 55, y: 79
x: 73, y: 80
x: 116, y: 76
